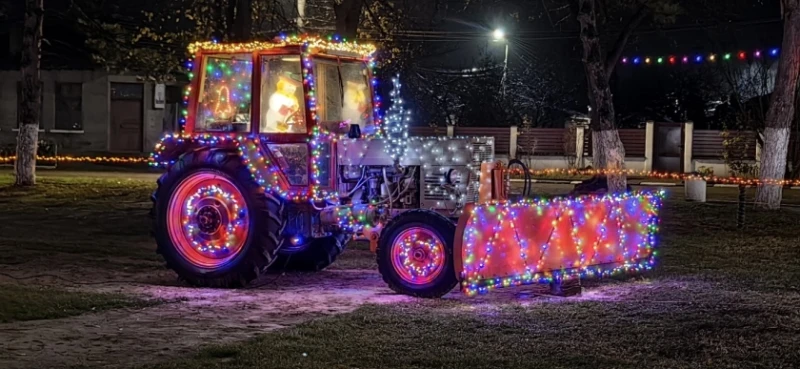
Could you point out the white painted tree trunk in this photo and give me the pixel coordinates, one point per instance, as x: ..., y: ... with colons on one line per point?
x: 773, y: 166
x: 301, y: 15
x: 608, y: 152
x: 781, y: 110
x: 28, y: 137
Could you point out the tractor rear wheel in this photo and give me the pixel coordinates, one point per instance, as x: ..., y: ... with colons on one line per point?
x: 212, y: 223
x: 415, y: 254
x: 309, y: 256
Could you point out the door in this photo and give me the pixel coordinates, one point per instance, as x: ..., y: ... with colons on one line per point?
x: 127, y: 123
x: 668, y: 147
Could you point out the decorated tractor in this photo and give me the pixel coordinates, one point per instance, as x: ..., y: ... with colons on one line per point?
x: 285, y: 156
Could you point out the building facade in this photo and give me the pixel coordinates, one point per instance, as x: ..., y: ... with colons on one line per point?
x: 92, y: 111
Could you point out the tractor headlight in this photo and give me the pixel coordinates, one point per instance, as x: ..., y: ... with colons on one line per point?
x: 454, y: 176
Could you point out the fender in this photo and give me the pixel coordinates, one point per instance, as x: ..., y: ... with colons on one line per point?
x: 172, y: 146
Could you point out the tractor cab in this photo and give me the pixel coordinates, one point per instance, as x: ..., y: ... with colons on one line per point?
x: 283, y: 89
x: 293, y: 94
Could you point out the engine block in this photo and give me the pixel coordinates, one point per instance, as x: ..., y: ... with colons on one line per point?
x: 447, y: 168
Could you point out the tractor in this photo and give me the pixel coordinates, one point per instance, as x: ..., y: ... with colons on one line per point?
x: 282, y: 161
x: 284, y: 157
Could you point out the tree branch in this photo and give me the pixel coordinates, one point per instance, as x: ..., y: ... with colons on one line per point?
x: 622, y: 40
x: 375, y: 20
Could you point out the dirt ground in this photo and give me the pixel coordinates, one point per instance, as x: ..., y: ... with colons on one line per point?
x: 194, y: 317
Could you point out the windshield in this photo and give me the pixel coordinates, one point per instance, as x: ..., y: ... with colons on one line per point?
x: 224, y: 97
x: 343, y: 94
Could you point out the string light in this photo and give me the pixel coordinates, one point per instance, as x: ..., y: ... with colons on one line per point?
x: 82, y: 159
x: 658, y: 175
x: 396, y: 128
x: 230, y: 237
x: 712, y: 57
x: 315, y: 44
x: 621, y: 230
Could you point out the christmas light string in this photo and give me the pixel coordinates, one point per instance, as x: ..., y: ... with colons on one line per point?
x: 331, y: 44
x: 561, y: 227
x: 231, y: 236
x: 656, y: 174
x: 262, y: 169
x: 700, y: 58
x: 396, y: 128
x: 82, y: 159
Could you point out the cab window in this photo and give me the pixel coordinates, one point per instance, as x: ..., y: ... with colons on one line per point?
x: 225, y: 92
x: 282, y: 103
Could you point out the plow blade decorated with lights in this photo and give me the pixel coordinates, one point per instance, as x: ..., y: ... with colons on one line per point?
x: 286, y: 154
x: 505, y: 244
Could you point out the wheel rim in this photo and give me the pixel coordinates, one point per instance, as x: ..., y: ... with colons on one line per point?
x: 418, y: 255
x: 208, y: 220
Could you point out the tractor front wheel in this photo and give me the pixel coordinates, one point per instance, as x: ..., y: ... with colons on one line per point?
x: 212, y: 223
x: 415, y: 254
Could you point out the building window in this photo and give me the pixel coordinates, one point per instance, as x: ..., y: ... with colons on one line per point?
x: 69, y: 115
x: 19, y: 106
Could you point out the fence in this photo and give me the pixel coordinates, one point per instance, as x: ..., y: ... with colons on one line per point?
x: 709, y: 144
x: 564, y: 147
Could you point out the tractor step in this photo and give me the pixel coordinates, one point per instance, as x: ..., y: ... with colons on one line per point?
x: 566, y: 289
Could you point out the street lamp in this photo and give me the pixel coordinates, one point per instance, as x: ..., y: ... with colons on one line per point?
x: 500, y: 36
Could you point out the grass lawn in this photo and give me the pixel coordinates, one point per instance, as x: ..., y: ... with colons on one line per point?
x: 76, y: 220
x: 32, y: 302
x: 71, y: 224
x: 720, y: 298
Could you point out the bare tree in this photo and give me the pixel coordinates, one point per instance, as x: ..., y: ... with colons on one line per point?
x: 25, y: 164
x: 348, y: 16
x: 600, y: 21
x: 608, y: 152
x: 781, y: 109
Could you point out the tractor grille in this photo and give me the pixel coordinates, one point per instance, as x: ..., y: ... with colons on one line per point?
x: 482, y: 152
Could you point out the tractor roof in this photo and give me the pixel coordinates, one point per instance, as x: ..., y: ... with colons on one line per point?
x: 316, y: 45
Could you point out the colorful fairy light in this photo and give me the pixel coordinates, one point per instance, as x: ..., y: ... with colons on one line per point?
x: 315, y: 44
x: 230, y: 79
x: 418, y: 255
x: 543, y: 241
x: 699, y: 58
x: 83, y: 159
x: 229, y: 236
x: 658, y: 175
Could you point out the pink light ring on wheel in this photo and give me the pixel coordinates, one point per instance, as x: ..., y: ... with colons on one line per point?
x: 418, y: 255
x: 539, y: 241
x: 208, y: 220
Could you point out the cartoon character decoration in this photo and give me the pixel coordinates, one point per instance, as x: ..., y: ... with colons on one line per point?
x: 284, y: 114
x: 223, y: 110
x: 355, y: 106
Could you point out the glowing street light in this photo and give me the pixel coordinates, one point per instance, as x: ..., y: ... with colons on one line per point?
x: 499, y: 34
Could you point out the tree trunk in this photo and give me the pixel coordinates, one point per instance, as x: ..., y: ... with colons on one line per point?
x: 348, y: 17
x: 241, y: 16
x: 27, y: 139
x: 608, y: 152
x: 781, y: 110
x: 301, y: 15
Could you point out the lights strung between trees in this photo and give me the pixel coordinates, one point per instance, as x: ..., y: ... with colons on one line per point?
x: 698, y: 58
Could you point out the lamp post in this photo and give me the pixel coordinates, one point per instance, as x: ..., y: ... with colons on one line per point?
x: 500, y: 36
